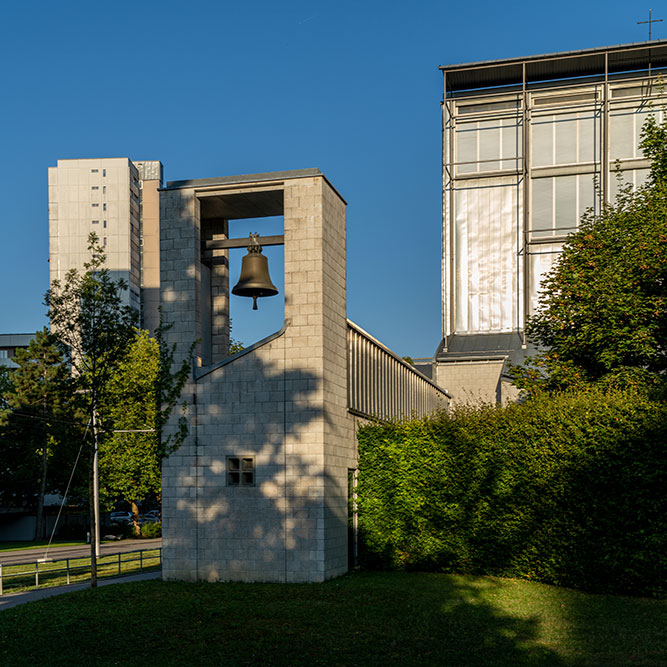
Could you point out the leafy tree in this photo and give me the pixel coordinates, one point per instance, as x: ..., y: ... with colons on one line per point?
x: 130, y: 458
x: 234, y: 345
x: 140, y: 398
x: 5, y: 386
x: 168, y: 387
x: 603, y: 307
x: 38, y: 422
x: 94, y: 329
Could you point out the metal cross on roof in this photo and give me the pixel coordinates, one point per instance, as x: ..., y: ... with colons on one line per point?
x: 650, y: 21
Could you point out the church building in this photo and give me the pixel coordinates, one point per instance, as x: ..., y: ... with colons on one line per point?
x: 529, y: 145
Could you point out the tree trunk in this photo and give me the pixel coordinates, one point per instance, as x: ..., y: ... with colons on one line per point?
x: 135, y: 518
x: 39, y: 521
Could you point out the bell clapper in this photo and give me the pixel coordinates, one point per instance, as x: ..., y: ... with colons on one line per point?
x: 254, y: 302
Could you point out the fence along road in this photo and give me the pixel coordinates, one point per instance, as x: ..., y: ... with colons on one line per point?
x: 14, y: 599
x: 55, y: 552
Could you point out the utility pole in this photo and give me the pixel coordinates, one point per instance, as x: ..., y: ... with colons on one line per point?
x: 96, y: 487
x: 95, y: 499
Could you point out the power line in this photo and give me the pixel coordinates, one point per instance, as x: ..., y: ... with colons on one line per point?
x: 79, y: 424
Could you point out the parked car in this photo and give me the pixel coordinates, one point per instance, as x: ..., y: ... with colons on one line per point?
x: 120, y: 517
x: 152, y: 517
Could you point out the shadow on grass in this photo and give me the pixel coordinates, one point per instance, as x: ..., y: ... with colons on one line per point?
x: 361, y: 619
x: 616, y: 630
x: 449, y: 620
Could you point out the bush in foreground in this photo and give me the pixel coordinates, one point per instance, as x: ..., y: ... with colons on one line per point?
x: 151, y: 530
x: 566, y: 489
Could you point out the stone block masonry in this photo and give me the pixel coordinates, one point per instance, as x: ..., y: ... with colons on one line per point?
x: 278, y: 408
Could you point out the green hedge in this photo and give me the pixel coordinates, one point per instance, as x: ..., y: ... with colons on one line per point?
x: 151, y: 530
x: 567, y: 490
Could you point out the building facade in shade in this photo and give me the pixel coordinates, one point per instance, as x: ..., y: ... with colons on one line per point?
x: 10, y: 344
x: 118, y: 200
x: 529, y: 145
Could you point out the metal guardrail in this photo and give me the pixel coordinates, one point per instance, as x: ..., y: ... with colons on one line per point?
x: 46, y: 570
x: 381, y: 385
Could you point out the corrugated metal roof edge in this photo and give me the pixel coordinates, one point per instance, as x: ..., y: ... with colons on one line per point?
x: 549, y: 56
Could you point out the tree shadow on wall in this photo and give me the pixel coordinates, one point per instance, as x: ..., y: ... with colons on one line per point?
x: 272, y: 529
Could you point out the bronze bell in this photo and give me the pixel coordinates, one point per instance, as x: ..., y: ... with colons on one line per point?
x: 255, y: 280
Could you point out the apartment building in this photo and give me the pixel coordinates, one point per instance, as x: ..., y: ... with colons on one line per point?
x: 118, y: 200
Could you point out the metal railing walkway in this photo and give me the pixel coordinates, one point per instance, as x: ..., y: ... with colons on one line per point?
x: 381, y: 385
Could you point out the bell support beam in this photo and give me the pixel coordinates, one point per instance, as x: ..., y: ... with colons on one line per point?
x: 214, y: 260
x: 242, y: 243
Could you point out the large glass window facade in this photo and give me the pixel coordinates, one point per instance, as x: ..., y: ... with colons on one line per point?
x: 569, y: 137
x: 520, y: 170
x: 487, y: 145
x: 558, y: 202
x: 630, y: 106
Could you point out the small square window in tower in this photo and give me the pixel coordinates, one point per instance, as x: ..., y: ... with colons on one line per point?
x: 240, y: 471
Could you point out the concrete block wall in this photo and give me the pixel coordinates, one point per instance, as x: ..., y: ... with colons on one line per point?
x: 472, y: 382
x: 283, y: 403
x: 180, y: 276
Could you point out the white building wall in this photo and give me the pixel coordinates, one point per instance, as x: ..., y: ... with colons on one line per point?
x: 100, y: 196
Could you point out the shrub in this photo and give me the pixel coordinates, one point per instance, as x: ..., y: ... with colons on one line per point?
x: 566, y: 489
x: 151, y: 530
x: 123, y: 530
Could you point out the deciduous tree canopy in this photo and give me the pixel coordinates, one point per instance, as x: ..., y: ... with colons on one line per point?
x: 603, y: 308
x: 130, y: 458
x: 37, y: 425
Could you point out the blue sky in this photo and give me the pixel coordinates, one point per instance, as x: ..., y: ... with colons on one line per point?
x: 223, y: 88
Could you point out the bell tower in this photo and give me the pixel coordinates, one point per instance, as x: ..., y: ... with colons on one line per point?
x: 258, y: 490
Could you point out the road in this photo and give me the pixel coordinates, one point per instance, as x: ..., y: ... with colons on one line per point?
x: 10, y: 600
x: 56, y: 552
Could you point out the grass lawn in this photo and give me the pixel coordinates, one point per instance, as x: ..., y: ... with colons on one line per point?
x: 16, y: 578
x: 40, y: 544
x: 360, y: 619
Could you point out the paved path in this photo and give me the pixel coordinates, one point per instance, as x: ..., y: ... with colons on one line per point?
x: 13, y: 599
x: 56, y: 552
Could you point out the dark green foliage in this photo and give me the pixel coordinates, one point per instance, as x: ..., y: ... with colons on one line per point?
x: 150, y: 530
x: 168, y: 386
x: 125, y: 531
x: 567, y: 490
x: 73, y: 531
x: 602, y: 316
x: 38, y: 427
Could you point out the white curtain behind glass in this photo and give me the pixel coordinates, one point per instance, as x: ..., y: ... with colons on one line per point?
x: 625, y: 127
x: 488, y: 273
x: 565, y: 138
x: 487, y: 145
x: 558, y: 202
x: 540, y: 260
